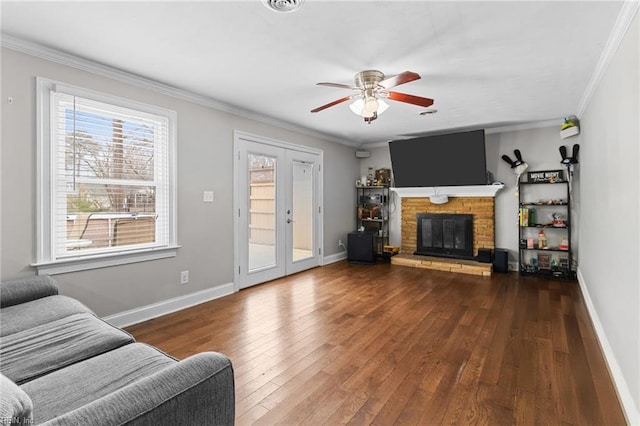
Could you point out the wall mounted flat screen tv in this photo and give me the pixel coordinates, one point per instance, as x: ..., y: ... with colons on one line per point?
x: 454, y: 159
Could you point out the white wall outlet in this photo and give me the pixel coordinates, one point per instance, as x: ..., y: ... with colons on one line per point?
x: 184, y: 277
x: 207, y: 196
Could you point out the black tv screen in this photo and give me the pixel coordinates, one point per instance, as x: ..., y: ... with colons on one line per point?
x: 453, y: 159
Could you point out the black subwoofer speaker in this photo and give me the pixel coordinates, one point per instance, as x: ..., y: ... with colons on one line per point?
x: 360, y: 247
x: 501, y: 260
x: 484, y: 255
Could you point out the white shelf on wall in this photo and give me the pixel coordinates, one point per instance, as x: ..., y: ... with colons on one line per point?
x: 450, y: 191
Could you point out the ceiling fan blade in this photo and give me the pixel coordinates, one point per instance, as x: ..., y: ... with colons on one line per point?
x: 399, y: 79
x: 330, y: 104
x: 410, y: 99
x: 341, y: 86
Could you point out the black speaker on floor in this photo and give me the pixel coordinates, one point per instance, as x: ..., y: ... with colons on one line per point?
x: 501, y: 260
x: 484, y: 255
x: 360, y: 247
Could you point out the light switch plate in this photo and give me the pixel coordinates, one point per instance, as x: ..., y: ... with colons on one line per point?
x: 207, y: 196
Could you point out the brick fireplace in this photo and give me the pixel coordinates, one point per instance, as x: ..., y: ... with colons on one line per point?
x: 477, y: 201
x: 482, y: 209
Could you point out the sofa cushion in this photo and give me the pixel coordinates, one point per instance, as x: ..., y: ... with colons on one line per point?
x: 15, y: 405
x: 81, y: 383
x: 37, y: 312
x: 39, y: 350
x: 26, y: 289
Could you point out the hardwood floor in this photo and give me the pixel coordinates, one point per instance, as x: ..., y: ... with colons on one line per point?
x: 389, y: 345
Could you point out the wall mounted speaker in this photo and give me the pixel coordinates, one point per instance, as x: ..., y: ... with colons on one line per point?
x: 363, y: 154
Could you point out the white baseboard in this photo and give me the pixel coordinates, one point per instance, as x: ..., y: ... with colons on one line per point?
x: 626, y: 398
x: 144, y: 313
x: 333, y: 258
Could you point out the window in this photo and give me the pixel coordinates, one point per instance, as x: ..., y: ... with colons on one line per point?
x: 106, y: 180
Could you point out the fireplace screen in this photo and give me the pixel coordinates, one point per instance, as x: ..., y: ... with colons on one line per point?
x: 446, y: 235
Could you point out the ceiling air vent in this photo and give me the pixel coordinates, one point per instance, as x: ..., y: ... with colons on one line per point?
x: 283, y: 5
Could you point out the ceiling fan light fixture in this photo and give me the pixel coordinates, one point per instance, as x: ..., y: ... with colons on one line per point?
x: 359, y: 107
x: 370, y: 104
x: 373, y: 89
x: 367, y: 114
x: 382, y: 106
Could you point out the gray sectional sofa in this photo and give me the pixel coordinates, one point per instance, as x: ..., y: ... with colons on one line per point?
x: 62, y: 365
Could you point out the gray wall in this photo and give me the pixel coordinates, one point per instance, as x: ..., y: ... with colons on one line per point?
x: 610, y: 237
x: 205, y: 230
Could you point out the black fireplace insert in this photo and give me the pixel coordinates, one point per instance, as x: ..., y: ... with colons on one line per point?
x: 445, y: 235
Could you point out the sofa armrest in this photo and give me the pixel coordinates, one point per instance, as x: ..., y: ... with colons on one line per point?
x: 198, y: 390
x: 27, y: 289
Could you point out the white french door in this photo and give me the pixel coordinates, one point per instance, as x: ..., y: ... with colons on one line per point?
x: 278, y: 221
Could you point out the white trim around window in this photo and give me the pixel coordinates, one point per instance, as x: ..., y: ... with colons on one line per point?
x: 141, y: 199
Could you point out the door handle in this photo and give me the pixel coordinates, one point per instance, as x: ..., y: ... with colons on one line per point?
x: 290, y: 221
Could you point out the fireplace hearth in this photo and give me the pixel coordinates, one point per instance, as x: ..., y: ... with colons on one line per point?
x: 481, y: 206
x: 445, y: 235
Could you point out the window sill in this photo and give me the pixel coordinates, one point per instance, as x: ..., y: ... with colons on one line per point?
x: 104, y: 260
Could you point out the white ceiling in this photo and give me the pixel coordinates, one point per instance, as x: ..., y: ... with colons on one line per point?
x: 486, y: 64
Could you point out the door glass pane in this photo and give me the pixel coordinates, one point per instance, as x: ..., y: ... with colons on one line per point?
x: 262, y: 211
x: 302, y: 214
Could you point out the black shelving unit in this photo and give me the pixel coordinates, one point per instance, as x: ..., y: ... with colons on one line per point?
x: 372, y: 214
x: 550, y: 256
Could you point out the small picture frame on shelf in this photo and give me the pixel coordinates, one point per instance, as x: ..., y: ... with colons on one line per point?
x: 544, y: 261
x: 563, y: 264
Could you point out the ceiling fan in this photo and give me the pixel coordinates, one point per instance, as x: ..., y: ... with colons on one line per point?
x: 371, y: 88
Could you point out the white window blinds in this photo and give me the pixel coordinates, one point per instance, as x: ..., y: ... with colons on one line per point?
x: 110, y: 178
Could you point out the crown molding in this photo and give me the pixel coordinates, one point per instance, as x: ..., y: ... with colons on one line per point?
x: 487, y: 130
x: 56, y: 56
x: 625, y: 17
x: 555, y: 122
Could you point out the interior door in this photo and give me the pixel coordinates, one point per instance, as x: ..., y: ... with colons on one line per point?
x: 302, y: 211
x: 278, y: 214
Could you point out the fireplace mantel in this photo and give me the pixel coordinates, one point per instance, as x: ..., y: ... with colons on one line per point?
x: 450, y: 191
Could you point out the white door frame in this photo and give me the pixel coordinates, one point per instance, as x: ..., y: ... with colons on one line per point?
x: 239, y: 219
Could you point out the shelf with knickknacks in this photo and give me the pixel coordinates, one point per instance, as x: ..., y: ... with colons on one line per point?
x: 381, y: 178
x: 372, y: 206
x: 544, y: 222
